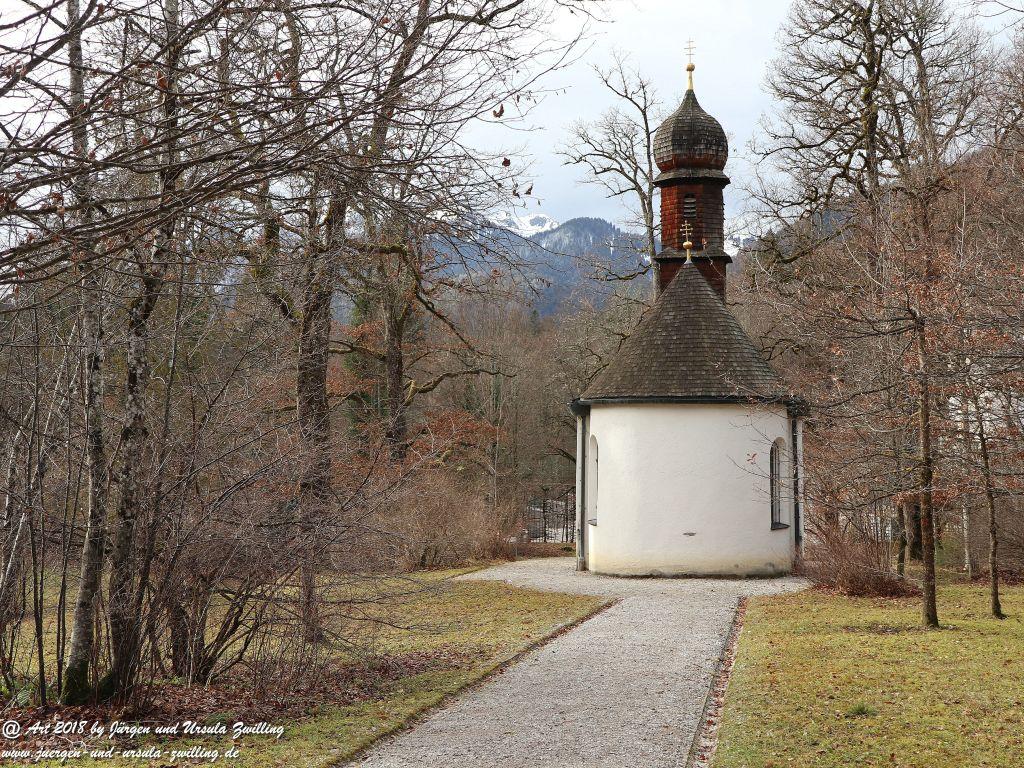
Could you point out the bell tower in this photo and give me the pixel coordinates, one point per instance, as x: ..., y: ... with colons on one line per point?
x: 691, y: 150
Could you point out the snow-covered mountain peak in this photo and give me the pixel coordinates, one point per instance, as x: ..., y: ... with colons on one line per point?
x: 526, y: 225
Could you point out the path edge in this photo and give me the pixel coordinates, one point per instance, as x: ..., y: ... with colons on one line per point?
x: 719, y: 680
x: 418, y: 717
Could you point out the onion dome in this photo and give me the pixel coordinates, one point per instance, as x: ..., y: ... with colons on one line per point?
x: 690, y: 138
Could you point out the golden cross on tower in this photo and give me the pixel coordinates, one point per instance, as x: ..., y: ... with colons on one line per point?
x: 688, y: 244
x: 690, y: 48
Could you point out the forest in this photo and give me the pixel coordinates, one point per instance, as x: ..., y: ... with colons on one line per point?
x: 257, y: 339
x: 889, y: 281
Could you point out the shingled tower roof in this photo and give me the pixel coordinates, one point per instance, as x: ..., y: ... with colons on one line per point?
x: 689, y: 348
x: 690, y: 138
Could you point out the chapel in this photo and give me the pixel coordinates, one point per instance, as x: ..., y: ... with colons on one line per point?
x: 689, y: 444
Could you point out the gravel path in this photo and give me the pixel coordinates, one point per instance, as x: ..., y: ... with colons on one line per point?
x: 623, y: 690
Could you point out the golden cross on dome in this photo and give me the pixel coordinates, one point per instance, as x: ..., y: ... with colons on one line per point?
x: 690, y: 48
x: 688, y: 244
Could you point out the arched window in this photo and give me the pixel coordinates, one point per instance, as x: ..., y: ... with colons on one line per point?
x: 593, y: 487
x: 775, y: 468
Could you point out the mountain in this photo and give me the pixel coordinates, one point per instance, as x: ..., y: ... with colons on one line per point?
x: 527, y: 225
x: 585, y: 237
x: 588, y: 254
x: 583, y: 254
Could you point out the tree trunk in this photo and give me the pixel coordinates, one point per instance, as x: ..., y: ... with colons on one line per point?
x: 124, y: 623
x: 901, y: 539
x: 80, y: 653
x: 394, y: 377
x: 177, y: 628
x: 965, y: 524
x: 970, y: 566
x: 993, y: 529
x: 929, y: 607
x: 912, y: 527
x: 314, y: 427
x: 12, y: 533
x: 37, y: 548
x: 993, y: 560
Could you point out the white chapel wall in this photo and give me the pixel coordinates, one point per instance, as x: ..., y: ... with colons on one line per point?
x: 684, y: 489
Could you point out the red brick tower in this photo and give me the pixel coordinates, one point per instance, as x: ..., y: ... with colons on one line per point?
x: 691, y: 151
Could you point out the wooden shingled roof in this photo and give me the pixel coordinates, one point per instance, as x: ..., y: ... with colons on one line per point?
x: 689, y: 348
x: 690, y: 138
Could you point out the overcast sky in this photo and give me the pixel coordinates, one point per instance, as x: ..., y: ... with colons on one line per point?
x: 735, y: 40
x: 735, y: 44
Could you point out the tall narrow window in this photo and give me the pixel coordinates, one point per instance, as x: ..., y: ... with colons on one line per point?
x: 592, y: 490
x: 775, y: 468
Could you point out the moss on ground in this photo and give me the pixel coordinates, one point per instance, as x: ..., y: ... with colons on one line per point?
x: 822, y: 680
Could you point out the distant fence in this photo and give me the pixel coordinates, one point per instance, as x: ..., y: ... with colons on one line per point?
x: 551, y: 517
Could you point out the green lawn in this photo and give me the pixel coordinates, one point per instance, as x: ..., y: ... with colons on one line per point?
x: 823, y: 680
x: 462, y: 631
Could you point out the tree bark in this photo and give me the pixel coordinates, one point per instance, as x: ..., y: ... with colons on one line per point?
x: 80, y: 653
x: 124, y: 623
x: 13, y: 533
x: 970, y: 566
x: 177, y: 628
x: 929, y: 607
x: 314, y: 422
x: 912, y: 526
x: 993, y: 528
x: 901, y: 539
x: 965, y: 524
x: 394, y: 376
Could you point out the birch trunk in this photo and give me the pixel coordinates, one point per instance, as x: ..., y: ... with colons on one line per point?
x: 76, y: 672
x: 965, y: 510
x: 134, y: 440
x: 125, y: 623
x: 12, y: 532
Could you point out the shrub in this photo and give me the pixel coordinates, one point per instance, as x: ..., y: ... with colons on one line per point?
x: 854, y: 565
x: 443, y: 523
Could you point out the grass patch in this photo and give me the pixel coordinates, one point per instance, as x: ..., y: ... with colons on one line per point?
x: 827, y: 681
x: 439, y: 640
x: 861, y: 710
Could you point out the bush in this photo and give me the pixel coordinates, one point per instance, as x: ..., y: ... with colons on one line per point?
x: 443, y: 523
x: 853, y: 565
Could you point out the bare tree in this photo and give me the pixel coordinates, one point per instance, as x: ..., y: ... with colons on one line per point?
x: 188, y: 191
x: 617, y: 150
x: 75, y: 682
x: 883, y: 101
